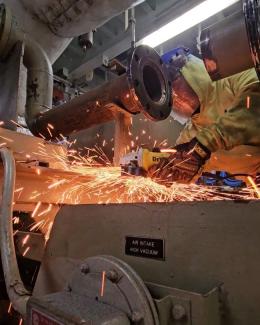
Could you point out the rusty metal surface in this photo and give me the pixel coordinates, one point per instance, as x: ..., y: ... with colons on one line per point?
x: 143, y: 88
x: 92, y: 108
x: 206, y: 243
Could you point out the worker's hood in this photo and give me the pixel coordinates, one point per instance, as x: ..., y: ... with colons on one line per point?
x: 197, y: 77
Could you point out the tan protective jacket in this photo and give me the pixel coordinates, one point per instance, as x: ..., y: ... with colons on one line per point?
x: 229, y: 119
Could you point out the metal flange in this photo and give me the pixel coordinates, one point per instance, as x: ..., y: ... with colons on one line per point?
x: 111, y: 281
x: 148, y: 78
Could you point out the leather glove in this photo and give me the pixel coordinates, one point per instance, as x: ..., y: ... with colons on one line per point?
x: 183, y: 165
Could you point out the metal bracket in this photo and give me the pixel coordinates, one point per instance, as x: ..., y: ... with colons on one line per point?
x: 176, y: 306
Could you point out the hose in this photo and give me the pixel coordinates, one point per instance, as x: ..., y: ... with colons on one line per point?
x: 16, y: 291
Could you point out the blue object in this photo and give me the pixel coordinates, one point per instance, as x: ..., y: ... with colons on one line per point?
x: 232, y: 182
x: 166, y: 57
x: 220, y: 179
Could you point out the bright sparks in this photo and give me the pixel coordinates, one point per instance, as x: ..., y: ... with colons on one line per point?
x: 36, y: 209
x: 255, y: 187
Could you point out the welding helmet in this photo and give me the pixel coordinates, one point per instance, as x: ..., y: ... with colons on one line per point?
x: 185, y: 100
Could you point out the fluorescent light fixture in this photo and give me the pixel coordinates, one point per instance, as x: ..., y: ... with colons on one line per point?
x: 189, y: 19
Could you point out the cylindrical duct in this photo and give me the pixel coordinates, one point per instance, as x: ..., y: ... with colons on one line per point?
x: 53, y: 23
x: 143, y: 88
x: 232, y: 45
x: 39, y: 69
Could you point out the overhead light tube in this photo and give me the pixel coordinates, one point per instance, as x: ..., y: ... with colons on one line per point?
x: 189, y: 19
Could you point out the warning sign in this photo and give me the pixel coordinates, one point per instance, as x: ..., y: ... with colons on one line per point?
x: 144, y: 247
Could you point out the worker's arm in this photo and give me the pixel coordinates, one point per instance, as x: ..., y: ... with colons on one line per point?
x: 239, y: 126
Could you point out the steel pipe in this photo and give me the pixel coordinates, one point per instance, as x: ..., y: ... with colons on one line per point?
x: 233, y: 44
x: 17, y: 293
x: 39, y: 69
x: 143, y: 88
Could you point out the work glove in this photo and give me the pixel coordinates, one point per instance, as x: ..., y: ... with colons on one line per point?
x: 182, y: 166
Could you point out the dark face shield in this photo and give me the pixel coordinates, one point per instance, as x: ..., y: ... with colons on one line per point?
x: 185, y: 100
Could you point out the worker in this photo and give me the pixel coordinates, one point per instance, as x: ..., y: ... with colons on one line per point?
x: 222, y: 131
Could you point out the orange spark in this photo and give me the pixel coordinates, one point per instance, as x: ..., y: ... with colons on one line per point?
x: 255, y: 187
x: 50, y: 126
x: 7, y: 139
x: 19, y: 189
x: 47, y: 235
x: 16, y: 220
x: 25, y: 240
x: 103, y: 283
x: 9, y: 308
x: 17, y: 124
x: 36, y: 209
x: 248, y: 100
x: 42, y: 136
x: 170, y: 150
x: 45, y: 211
x: 26, y: 251
x: 62, y: 181
x: 49, y: 131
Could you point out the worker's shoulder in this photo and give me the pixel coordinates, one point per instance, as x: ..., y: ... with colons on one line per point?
x: 247, y: 75
x: 241, y: 82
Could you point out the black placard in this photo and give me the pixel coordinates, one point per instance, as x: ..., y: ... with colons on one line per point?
x: 144, y: 247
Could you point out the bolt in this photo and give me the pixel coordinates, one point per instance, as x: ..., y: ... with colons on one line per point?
x: 136, y: 317
x: 112, y: 275
x: 178, y: 312
x: 84, y: 268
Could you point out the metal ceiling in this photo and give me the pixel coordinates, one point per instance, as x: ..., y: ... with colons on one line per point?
x: 113, y: 40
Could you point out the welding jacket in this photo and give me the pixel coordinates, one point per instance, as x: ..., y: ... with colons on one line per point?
x: 228, y: 123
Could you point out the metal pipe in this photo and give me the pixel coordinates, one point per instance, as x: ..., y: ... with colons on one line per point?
x: 221, y: 56
x: 39, y: 69
x: 17, y: 293
x: 143, y: 88
x: 39, y: 81
x: 132, y: 22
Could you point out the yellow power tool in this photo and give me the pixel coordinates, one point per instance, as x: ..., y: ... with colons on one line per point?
x: 138, y: 163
